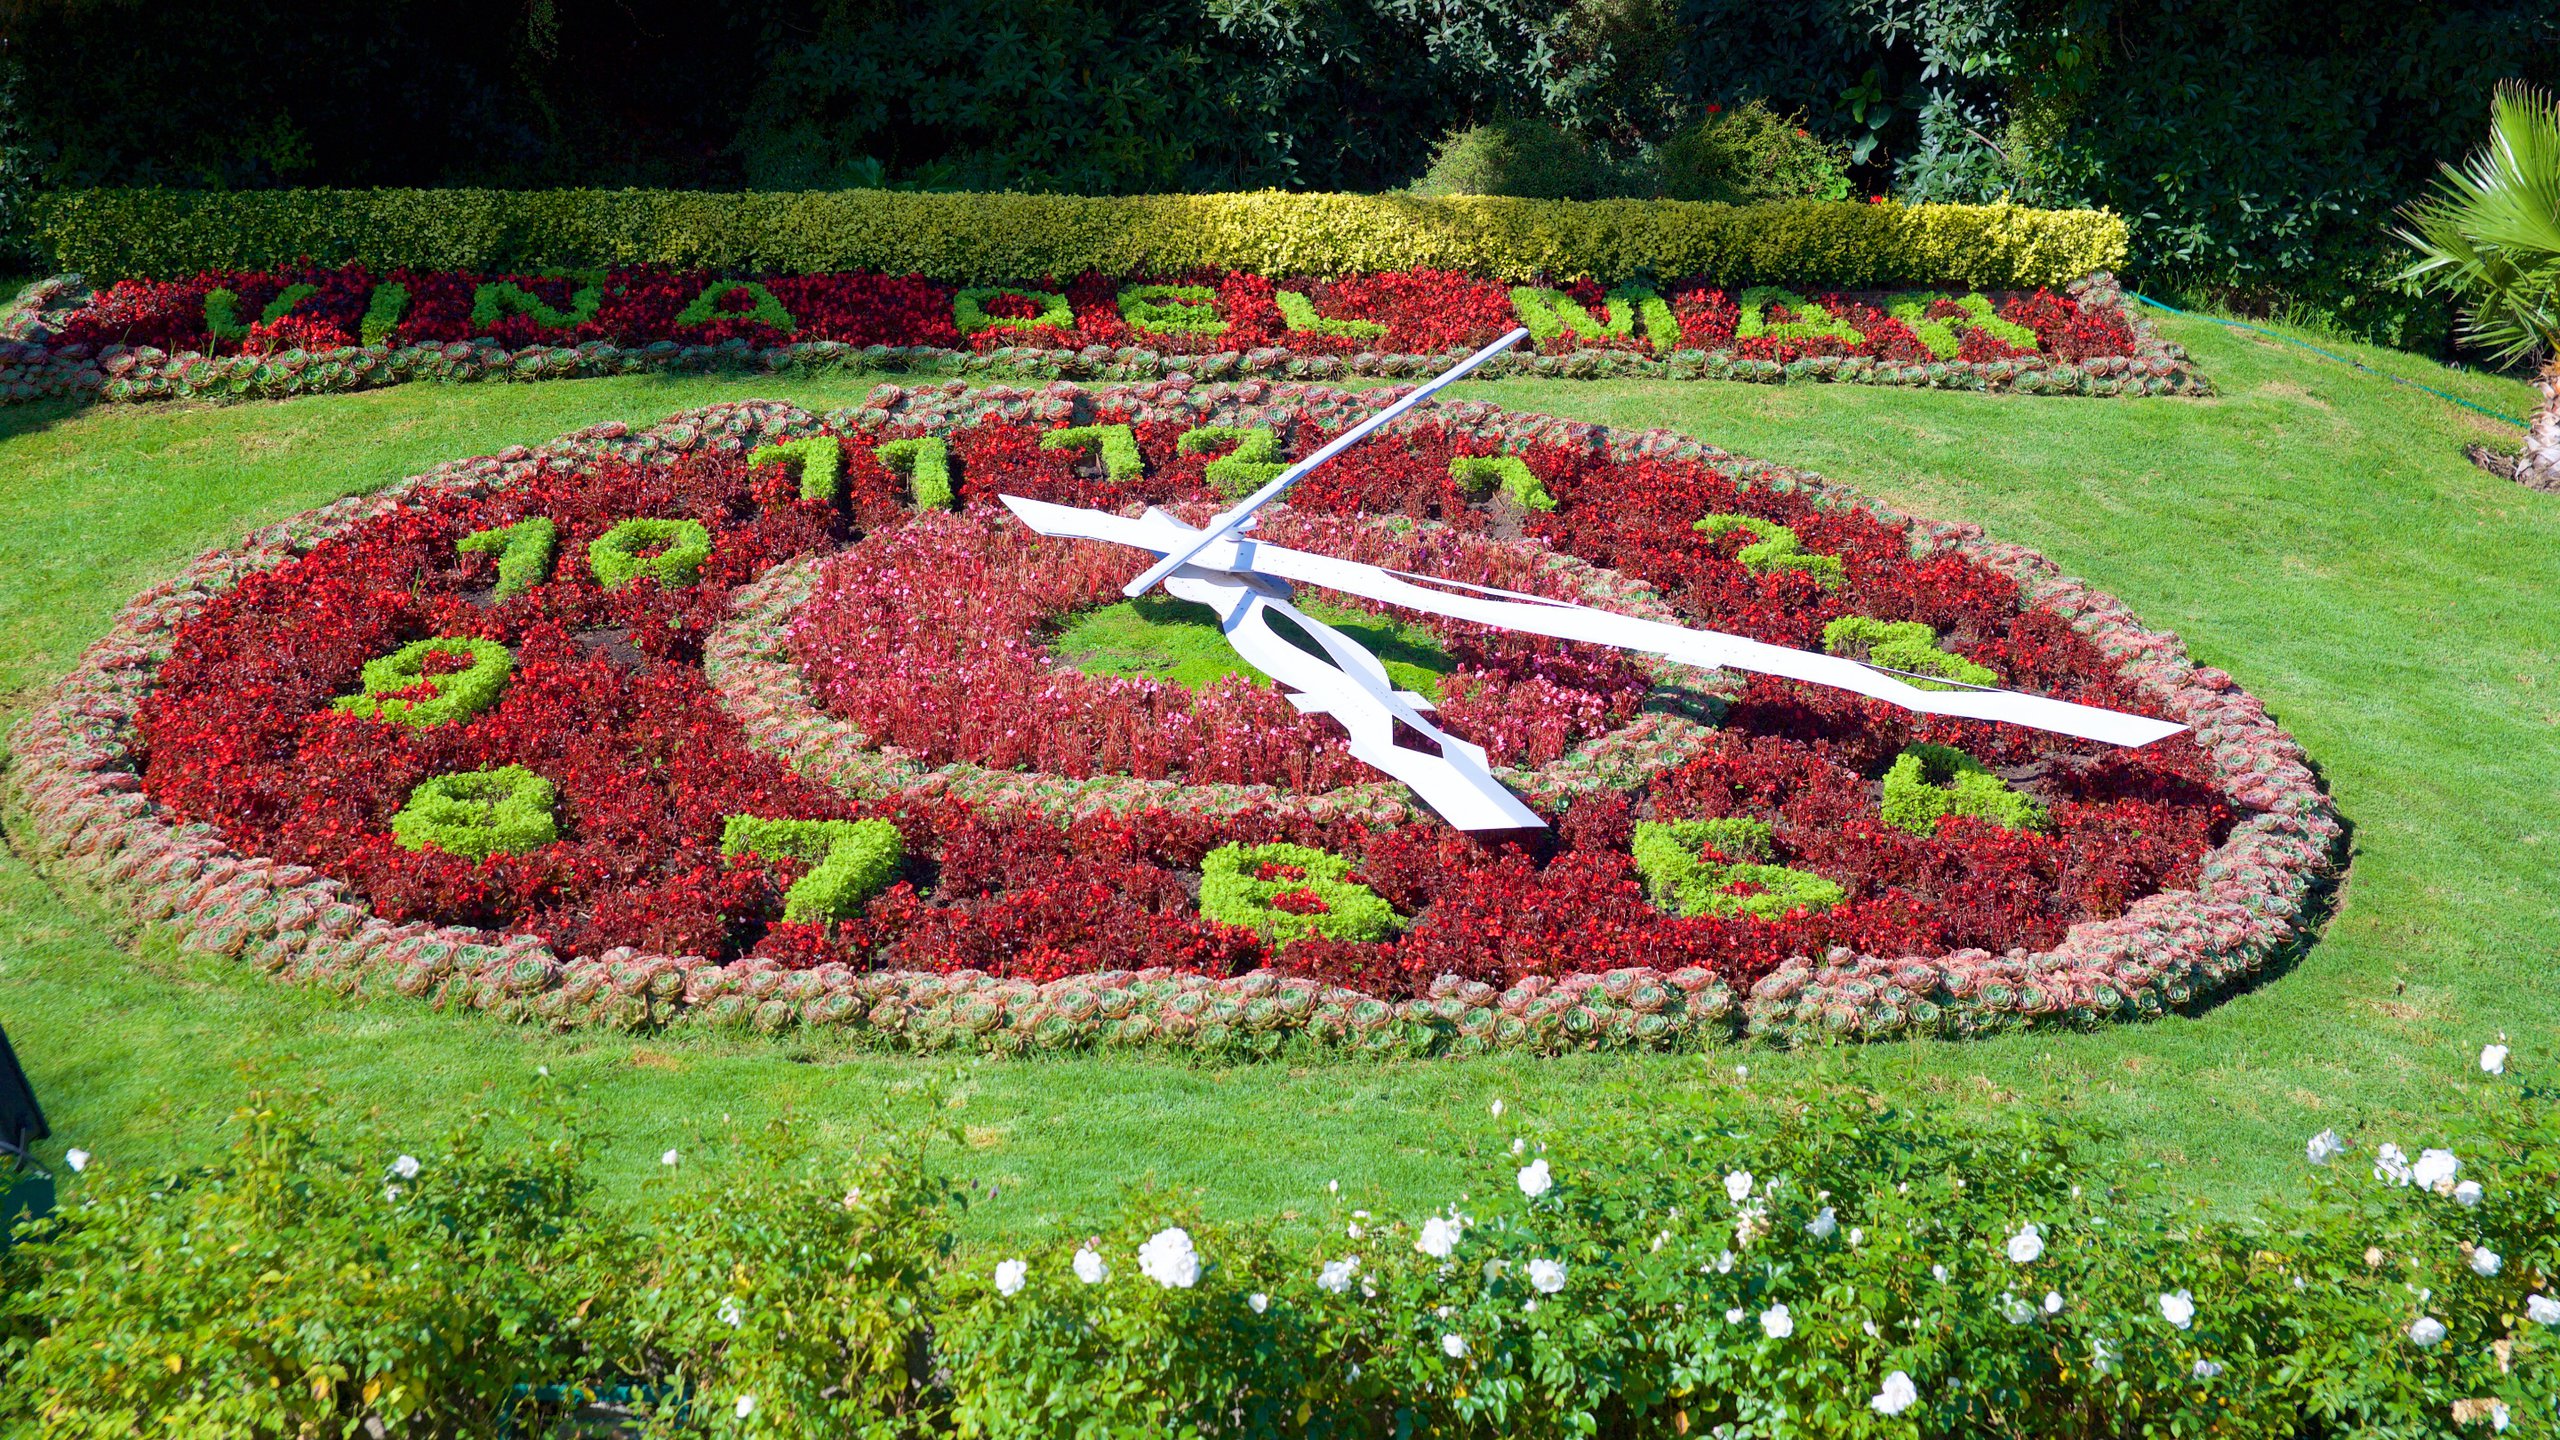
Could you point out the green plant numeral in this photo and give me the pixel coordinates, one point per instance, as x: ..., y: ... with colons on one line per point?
x: 1549, y: 314
x: 618, y: 555
x: 1678, y: 876
x: 852, y: 860
x: 524, y: 552
x: 1905, y: 645
x: 383, y: 312
x: 222, y: 310
x: 1508, y: 475
x: 1812, y: 322
x: 1254, y: 461
x: 457, y: 694
x: 1775, y: 549
x: 926, y: 462
x: 1172, y: 310
x: 1940, y: 335
x: 969, y: 310
x: 479, y: 813
x: 1117, y: 443
x: 1930, y: 782
x: 705, y: 308
x: 498, y: 299
x: 1299, y: 313
x: 821, y: 458
x: 1285, y: 893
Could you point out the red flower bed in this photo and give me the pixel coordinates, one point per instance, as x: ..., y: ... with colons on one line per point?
x: 609, y: 702
x: 1423, y: 312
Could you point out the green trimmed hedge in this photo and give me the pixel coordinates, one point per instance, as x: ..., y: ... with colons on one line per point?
x: 616, y: 555
x: 853, y: 861
x: 967, y: 238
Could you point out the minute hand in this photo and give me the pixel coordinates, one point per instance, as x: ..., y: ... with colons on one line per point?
x: 1227, y: 520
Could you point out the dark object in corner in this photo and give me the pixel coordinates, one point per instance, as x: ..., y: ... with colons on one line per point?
x: 21, y: 1119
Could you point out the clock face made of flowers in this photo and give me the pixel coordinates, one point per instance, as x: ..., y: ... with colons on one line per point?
x: 768, y: 718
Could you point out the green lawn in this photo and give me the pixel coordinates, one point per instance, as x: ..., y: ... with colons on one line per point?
x: 2313, y: 530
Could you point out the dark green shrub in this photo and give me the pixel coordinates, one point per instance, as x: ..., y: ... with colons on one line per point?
x: 1748, y: 154
x: 1527, y: 158
x: 317, y: 1276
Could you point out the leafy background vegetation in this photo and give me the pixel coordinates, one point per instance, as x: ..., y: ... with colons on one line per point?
x: 2259, y: 146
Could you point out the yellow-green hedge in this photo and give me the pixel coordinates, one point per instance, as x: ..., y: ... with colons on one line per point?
x: 969, y: 238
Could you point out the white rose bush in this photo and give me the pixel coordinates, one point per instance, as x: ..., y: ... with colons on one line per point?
x: 2002, y: 1280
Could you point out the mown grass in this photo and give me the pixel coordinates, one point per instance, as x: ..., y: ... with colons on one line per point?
x: 2313, y: 530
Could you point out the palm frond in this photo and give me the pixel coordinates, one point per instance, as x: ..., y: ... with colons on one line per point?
x: 2490, y: 235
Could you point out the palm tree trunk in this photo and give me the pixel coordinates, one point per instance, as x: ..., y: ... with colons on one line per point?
x: 2539, y: 465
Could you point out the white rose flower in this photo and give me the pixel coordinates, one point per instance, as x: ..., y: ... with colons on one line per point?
x: 2027, y: 1246
x: 2498, y: 1416
x: 1724, y: 1262
x: 1089, y: 1266
x: 1823, y: 1225
x: 2542, y: 1309
x: 2434, y: 1168
x: 2325, y: 1147
x: 1497, y: 1109
x: 1519, y: 1146
x: 2485, y: 1262
x: 745, y: 1407
x: 1439, y: 1237
x: 670, y: 1158
x: 1857, y: 1236
x: 2206, y: 1370
x: 2467, y: 1194
x: 1737, y: 1186
x: 1336, y: 1275
x: 730, y: 1314
x: 2178, y: 1309
x: 1454, y: 1346
x: 1898, y: 1395
x: 1546, y: 1276
x: 1776, y: 1323
x: 2426, y: 1330
x: 1733, y: 1316
x: 1939, y: 1272
x: 76, y: 1158
x: 1535, y: 1179
x: 2493, y: 1059
x: 406, y: 1167
x: 2391, y: 1163
x: 1257, y: 1302
x: 2017, y: 1311
x: 2053, y: 1302
x: 1010, y: 1276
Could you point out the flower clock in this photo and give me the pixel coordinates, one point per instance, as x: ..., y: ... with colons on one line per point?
x: 773, y: 719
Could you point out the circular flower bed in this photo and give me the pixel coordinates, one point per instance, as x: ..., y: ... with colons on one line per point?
x: 636, y: 729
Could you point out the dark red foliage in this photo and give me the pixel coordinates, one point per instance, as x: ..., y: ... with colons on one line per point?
x: 608, y: 701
